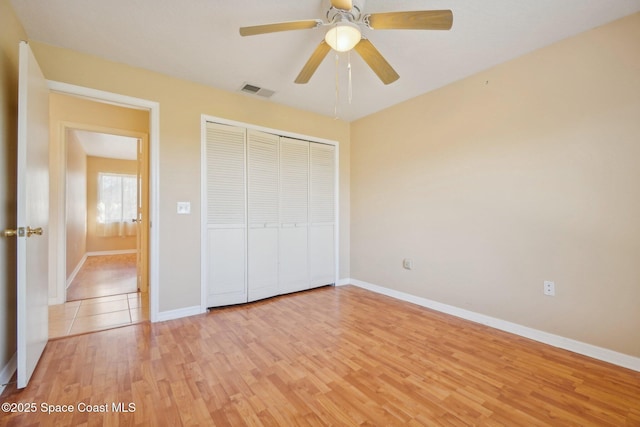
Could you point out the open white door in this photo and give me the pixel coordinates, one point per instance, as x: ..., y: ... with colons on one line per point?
x: 33, y: 215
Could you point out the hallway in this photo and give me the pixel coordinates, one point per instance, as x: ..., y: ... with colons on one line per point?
x: 103, y: 295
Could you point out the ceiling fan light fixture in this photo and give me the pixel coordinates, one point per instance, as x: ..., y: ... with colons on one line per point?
x: 343, y: 37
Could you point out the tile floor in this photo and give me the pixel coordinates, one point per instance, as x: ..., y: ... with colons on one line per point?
x: 97, y: 314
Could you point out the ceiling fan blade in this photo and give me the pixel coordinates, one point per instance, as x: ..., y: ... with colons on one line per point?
x: 313, y: 63
x: 376, y: 61
x: 342, y: 4
x: 280, y: 26
x: 416, y: 20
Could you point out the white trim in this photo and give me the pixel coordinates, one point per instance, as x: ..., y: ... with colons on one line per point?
x: 163, y: 316
x: 154, y: 172
x: 7, y: 372
x: 203, y: 214
x: 579, y: 347
x: 343, y: 282
x: 116, y: 252
x: 102, y: 96
x: 58, y: 233
x: 76, y: 270
x: 204, y: 118
x: 336, y: 220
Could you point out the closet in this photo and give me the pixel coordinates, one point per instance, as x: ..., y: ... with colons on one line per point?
x: 270, y: 214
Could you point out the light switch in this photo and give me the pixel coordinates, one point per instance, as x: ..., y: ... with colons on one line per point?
x: 184, y: 208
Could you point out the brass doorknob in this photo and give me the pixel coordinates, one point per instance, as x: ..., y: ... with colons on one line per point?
x: 36, y: 231
x: 10, y: 232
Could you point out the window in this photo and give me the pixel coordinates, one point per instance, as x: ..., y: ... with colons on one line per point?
x: 117, y: 204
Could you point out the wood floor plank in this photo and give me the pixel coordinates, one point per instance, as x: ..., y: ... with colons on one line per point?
x: 331, y: 356
x: 104, y: 275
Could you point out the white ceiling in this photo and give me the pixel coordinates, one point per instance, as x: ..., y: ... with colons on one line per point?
x: 198, y: 40
x: 106, y: 145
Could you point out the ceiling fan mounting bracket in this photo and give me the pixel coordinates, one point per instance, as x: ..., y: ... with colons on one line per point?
x: 336, y: 15
x: 365, y: 21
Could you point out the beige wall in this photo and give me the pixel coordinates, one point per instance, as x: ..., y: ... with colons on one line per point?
x: 526, y: 172
x: 68, y: 112
x: 95, y: 242
x: 10, y: 35
x: 181, y: 105
x: 523, y: 173
x: 76, y: 208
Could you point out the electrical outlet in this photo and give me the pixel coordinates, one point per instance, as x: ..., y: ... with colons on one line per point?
x: 407, y: 264
x: 549, y: 288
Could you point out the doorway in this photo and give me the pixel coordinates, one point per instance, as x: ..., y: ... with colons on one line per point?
x: 104, y: 221
x: 105, y: 199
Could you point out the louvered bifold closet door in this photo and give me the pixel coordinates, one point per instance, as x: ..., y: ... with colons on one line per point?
x: 263, y: 212
x: 294, y: 215
x: 226, y: 215
x: 322, y: 214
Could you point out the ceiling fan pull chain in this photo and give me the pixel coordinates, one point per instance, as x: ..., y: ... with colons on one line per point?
x: 335, y: 108
x: 350, y: 88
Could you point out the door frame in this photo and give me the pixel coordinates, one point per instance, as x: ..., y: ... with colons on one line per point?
x: 204, y: 118
x: 153, y: 108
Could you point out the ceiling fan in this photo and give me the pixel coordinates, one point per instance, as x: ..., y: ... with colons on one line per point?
x: 345, y: 18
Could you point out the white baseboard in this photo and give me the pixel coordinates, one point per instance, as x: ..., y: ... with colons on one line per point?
x: 118, y: 252
x: 179, y: 313
x: 7, y: 372
x: 579, y: 347
x: 343, y: 282
x: 75, y: 271
x: 56, y: 300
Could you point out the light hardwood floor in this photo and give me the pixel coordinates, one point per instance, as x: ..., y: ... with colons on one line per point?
x: 104, y: 275
x: 332, y: 356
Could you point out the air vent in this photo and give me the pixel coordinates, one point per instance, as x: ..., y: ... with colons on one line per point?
x: 256, y: 90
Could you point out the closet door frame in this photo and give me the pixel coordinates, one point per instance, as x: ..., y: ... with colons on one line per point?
x: 203, y: 191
